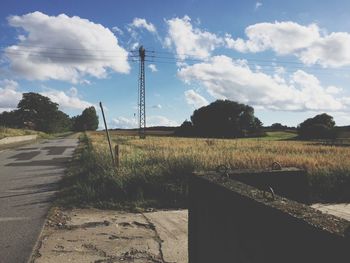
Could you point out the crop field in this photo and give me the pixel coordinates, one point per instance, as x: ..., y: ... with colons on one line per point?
x: 156, y: 168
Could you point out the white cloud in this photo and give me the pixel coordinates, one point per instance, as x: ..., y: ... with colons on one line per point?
x: 160, y: 121
x: 64, y: 48
x: 117, y: 30
x: 333, y: 90
x: 142, y: 23
x: 330, y: 51
x: 194, y: 99
x: 124, y: 123
x: 281, y: 37
x: 189, y: 41
x: 157, y: 106
x: 135, y: 46
x: 310, y: 44
x: 257, y: 5
x: 129, y: 123
x: 225, y: 78
x: 69, y: 100
x: 153, y: 67
x: 9, y: 95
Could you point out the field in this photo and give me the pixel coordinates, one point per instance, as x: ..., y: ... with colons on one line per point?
x: 154, y: 171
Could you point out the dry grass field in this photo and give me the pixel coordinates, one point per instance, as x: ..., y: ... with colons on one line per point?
x: 153, y: 171
x: 237, y: 153
x: 10, y: 132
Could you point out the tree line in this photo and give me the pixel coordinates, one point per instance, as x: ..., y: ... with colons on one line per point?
x: 230, y: 119
x: 220, y: 119
x: 37, y: 112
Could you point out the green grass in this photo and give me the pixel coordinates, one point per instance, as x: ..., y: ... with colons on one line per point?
x: 280, y: 135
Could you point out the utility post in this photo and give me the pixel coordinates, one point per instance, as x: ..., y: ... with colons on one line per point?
x: 142, y: 95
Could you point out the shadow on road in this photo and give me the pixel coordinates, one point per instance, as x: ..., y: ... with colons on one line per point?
x: 61, y: 161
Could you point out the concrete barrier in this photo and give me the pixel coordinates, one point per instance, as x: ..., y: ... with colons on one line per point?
x: 17, y: 139
x: 230, y: 221
x: 289, y: 182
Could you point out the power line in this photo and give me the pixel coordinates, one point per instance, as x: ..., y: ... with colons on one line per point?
x: 152, y: 56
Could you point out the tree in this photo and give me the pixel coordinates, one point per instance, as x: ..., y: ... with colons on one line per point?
x: 37, y: 112
x: 10, y: 119
x: 87, y: 121
x: 225, y: 118
x: 319, y: 127
x: 186, y: 129
x: 278, y: 126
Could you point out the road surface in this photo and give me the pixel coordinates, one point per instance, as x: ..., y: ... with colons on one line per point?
x: 28, y: 181
x: 93, y: 235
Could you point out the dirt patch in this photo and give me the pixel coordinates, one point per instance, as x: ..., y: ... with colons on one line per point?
x: 91, y: 235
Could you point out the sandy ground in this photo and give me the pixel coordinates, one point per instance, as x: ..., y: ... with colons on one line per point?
x: 91, y: 235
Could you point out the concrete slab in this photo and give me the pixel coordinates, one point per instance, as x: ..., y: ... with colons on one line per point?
x: 339, y: 210
x: 91, y: 235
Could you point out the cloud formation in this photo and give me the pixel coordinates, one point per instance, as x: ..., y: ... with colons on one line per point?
x: 189, y: 41
x: 281, y: 37
x: 64, y: 48
x: 69, y: 100
x: 258, y: 5
x: 290, y: 38
x: 225, y: 78
x: 194, y: 99
x: 142, y: 23
x: 129, y: 123
x: 152, y: 67
x: 9, y: 95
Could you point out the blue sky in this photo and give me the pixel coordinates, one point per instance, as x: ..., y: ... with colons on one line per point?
x: 290, y: 60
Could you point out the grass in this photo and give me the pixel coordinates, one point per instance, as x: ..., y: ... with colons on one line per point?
x: 280, y: 135
x: 10, y: 132
x: 153, y: 172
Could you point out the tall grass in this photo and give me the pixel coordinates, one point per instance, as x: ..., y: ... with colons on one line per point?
x: 10, y: 132
x: 153, y: 172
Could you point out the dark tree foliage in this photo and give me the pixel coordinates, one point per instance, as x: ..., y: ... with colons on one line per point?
x: 223, y: 119
x: 37, y: 112
x: 278, y: 126
x: 186, y: 129
x: 319, y: 127
x: 87, y: 121
x: 10, y: 119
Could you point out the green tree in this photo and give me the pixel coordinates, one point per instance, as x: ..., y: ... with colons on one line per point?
x: 319, y: 127
x: 225, y: 118
x: 87, y: 121
x: 186, y: 129
x: 10, y: 119
x: 37, y: 112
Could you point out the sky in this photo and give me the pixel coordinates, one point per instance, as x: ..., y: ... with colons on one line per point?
x: 290, y: 60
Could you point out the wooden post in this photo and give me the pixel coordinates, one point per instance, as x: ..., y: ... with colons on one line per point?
x: 116, y: 155
x: 109, y: 140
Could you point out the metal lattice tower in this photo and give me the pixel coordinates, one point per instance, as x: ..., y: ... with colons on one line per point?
x: 142, y: 94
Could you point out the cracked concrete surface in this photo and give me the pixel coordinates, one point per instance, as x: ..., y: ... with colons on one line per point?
x: 91, y: 235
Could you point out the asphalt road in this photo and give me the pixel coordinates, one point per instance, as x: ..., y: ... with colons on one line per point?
x: 28, y: 181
